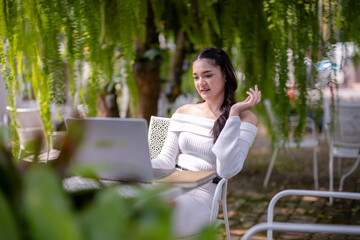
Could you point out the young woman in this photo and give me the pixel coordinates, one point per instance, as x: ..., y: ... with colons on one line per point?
x: 212, y: 135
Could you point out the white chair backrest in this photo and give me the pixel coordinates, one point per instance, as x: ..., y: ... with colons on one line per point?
x: 27, y: 117
x: 157, y: 133
x: 344, y: 124
x: 29, y: 135
x: 29, y: 126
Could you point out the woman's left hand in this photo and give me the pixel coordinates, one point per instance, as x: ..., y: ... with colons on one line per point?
x: 250, y: 102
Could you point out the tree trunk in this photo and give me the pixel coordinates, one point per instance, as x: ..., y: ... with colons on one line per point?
x: 172, y: 87
x: 146, y: 74
x: 107, y: 104
x: 147, y: 70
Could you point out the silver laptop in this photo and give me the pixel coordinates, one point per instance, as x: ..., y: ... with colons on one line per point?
x: 116, y: 149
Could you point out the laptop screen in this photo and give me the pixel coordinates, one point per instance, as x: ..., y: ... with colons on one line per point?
x: 114, y: 148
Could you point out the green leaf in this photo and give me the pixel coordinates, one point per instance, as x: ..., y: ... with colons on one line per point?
x: 151, y: 217
x: 8, y: 228
x: 208, y: 233
x: 106, y: 217
x: 114, y: 217
x: 47, y: 208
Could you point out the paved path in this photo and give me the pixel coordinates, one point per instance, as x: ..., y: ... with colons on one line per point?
x: 248, y: 199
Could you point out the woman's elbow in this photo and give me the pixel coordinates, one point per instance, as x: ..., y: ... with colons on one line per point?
x: 249, y: 117
x: 230, y: 169
x: 229, y: 173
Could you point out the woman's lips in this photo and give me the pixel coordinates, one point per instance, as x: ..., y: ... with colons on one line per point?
x: 205, y: 90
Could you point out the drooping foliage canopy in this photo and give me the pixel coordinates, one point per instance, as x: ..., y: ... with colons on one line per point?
x: 47, y: 43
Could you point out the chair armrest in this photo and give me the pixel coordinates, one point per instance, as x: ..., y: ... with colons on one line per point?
x: 297, y: 192
x: 314, y: 193
x: 302, y: 227
x: 220, y: 193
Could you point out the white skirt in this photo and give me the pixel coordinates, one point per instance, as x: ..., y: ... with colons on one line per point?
x: 192, y: 210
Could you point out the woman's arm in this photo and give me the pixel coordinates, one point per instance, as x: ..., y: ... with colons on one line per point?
x: 237, y: 136
x: 232, y: 146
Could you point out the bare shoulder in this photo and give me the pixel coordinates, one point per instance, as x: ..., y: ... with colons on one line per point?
x: 250, y: 117
x: 185, y: 109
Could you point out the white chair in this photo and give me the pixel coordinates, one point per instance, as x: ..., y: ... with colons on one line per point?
x: 307, y: 142
x: 158, y: 128
x: 271, y: 226
x: 343, y: 134
x: 30, y: 128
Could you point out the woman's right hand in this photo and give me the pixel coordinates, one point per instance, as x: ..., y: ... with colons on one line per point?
x: 254, y: 97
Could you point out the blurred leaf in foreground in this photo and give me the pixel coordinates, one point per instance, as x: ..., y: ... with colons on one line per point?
x: 47, y: 209
x: 8, y: 228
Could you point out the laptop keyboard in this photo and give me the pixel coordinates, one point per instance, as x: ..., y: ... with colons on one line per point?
x: 75, y: 184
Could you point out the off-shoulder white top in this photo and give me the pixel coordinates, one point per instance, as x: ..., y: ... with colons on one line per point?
x: 189, y: 144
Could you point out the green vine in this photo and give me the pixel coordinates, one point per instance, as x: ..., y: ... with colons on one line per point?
x: 67, y: 36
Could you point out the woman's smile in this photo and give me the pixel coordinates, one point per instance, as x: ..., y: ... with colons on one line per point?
x: 204, y: 90
x: 209, y: 80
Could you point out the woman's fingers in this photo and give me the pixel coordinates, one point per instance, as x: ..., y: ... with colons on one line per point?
x: 251, y: 95
x: 255, y: 95
x: 259, y: 97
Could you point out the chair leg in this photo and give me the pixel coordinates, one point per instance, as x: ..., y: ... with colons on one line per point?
x: 331, y: 176
x: 348, y: 173
x: 315, y: 167
x: 271, y: 165
x: 19, y: 156
x: 226, y: 218
x: 339, y: 162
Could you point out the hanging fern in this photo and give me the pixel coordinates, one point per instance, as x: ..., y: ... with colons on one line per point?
x: 159, y: 7
x: 50, y: 44
x: 10, y: 86
x: 210, y: 23
x: 130, y: 13
x: 257, y: 35
x: 7, y: 58
x: 349, y: 23
x: 66, y: 10
x: 229, y: 16
x: 91, y: 16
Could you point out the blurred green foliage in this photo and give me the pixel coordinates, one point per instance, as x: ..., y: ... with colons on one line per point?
x: 92, y: 46
x: 34, y: 205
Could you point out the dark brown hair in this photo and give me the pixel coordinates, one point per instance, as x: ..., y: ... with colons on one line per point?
x: 218, y: 57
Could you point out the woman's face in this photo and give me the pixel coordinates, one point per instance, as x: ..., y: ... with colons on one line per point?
x: 209, y: 80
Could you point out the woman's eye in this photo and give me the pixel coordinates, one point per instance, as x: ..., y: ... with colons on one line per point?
x: 208, y: 76
x: 196, y: 78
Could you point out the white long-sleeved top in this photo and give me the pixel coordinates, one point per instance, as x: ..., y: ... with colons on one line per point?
x: 189, y: 144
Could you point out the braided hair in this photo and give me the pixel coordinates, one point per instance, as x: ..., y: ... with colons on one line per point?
x: 219, y: 57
